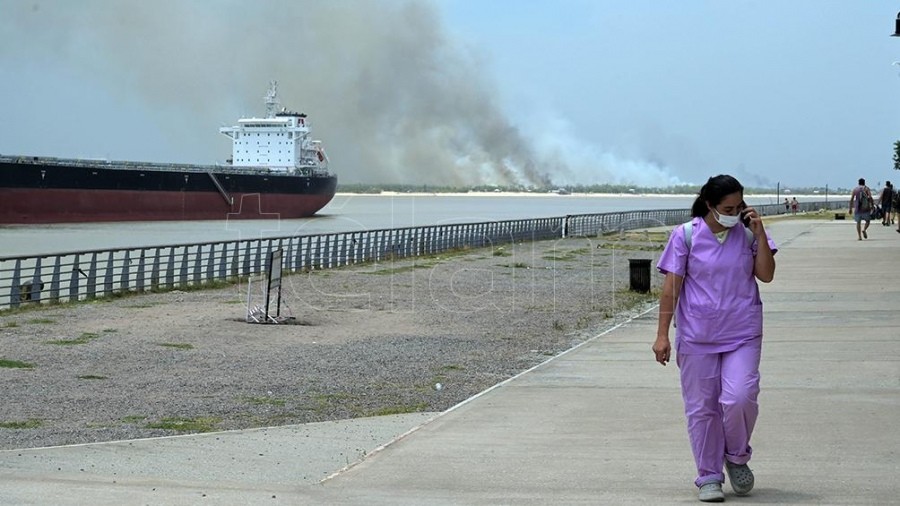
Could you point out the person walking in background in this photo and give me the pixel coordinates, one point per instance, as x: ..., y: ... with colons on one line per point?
x: 896, y: 208
x: 794, y: 205
x: 787, y: 206
x: 711, y: 270
x: 885, y: 201
x: 861, y: 205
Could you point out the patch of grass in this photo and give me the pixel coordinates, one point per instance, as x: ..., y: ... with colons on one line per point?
x: 323, y: 402
x: 41, y: 320
x: 397, y: 270
x: 453, y: 367
x: 11, y: 324
x: 565, y: 256
x: 200, y: 424
x: 134, y: 419
x: 110, y: 331
x: 271, y: 401
x: 626, y: 297
x: 811, y: 215
x: 583, y: 321
x: 399, y: 410
x: 15, y: 364
x: 500, y: 252
x: 92, y: 377
x: 631, y: 247
x: 178, y: 346
x: 31, y: 423
x: 558, y: 325
x: 142, y: 305
x: 339, y: 396
x: 206, y: 285
x: 639, y: 240
x: 84, y: 338
x: 517, y: 265
x: 638, y: 236
x: 99, y: 299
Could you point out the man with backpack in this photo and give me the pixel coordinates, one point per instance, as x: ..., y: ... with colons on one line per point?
x: 861, y: 207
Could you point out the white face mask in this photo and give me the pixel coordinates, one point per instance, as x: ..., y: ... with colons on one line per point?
x: 725, y: 220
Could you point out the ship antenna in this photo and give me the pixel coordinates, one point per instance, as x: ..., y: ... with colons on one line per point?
x: 272, y: 99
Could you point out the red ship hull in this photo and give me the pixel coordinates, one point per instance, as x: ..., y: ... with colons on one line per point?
x: 45, y: 205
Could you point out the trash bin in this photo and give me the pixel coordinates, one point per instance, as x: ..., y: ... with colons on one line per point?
x: 640, y: 274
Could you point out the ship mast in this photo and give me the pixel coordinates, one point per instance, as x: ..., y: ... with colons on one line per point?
x: 272, y: 99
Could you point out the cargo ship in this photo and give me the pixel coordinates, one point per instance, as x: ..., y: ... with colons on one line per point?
x: 276, y: 171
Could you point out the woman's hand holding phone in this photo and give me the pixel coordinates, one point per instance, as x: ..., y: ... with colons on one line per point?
x: 751, y: 220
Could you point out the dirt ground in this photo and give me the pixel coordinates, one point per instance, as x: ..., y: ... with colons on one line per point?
x: 393, y: 337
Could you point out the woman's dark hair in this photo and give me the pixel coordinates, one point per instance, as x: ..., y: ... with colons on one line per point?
x: 715, y: 189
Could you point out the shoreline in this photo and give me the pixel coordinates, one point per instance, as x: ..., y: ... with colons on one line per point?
x: 589, y: 195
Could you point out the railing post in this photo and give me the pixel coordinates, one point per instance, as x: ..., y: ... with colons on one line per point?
x: 15, y: 297
x: 170, y: 269
x: 55, y: 279
x: 37, y: 284
x: 126, y: 272
x: 92, y: 278
x: 245, y: 265
x: 154, y: 271
x: 183, y: 268
x: 108, y: 275
x: 139, y: 279
x: 73, y: 280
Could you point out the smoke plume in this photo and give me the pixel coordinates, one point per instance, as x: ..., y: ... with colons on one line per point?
x: 393, y: 99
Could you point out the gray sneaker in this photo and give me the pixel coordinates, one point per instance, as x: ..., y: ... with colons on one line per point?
x: 741, y: 478
x: 712, y: 492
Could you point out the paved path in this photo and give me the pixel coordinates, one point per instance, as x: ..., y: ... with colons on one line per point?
x: 600, y: 424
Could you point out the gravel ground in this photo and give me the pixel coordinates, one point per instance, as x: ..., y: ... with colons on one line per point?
x: 366, y: 340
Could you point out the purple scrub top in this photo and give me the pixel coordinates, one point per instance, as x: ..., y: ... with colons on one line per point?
x: 719, y: 308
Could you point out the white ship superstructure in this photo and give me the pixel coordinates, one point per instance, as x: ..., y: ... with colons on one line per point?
x: 280, y: 142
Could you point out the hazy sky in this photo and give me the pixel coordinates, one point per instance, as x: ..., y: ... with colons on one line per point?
x: 653, y: 93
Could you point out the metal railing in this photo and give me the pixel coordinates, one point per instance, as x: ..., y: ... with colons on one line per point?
x: 79, y: 275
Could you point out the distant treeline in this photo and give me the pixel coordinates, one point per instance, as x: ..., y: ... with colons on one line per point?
x: 597, y: 188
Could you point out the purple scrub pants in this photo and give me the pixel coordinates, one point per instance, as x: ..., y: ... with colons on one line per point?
x: 720, y: 392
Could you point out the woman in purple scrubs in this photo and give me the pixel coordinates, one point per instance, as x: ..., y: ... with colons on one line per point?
x: 710, y: 287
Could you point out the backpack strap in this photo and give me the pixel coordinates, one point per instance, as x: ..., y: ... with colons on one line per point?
x: 688, y: 234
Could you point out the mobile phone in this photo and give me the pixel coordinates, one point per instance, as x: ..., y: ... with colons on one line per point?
x: 745, y: 217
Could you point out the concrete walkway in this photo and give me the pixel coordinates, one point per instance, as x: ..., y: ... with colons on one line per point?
x: 600, y: 424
